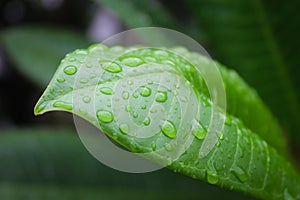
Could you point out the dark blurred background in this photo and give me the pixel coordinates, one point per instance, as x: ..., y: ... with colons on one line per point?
x: 42, y: 157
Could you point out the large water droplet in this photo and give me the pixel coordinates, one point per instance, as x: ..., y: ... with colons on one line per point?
x: 86, y: 99
x: 198, y: 131
x: 147, y: 121
x: 70, y: 70
x: 62, y: 104
x: 161, y: 97
x: 132, y: 61
x: 145, y: 91
x: 240, y: 173
x: 105, y: 116
x: 169, y: 129
x: 113, y: 67
x: 124, y: 128
x: 106, y: 90
x: 212, y: 177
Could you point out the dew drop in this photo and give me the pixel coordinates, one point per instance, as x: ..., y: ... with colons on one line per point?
x: 81, y: 52
x: 228, y: 121
x: 125, y: 95
x: 161, y: 97
x: 145, y: 91
x: 239, y: 173
x: 135, y: 95
x: 70, y: 70
x: 84, y: 81
x: 105, y: 116
x: 113, y: 68
x: 83, y: 112
x: 40, y: 108
x: 199, y: 131
x: 128, y: 108
x: 169, y: 129
x: 221, y: 136
x: 181, y: 164
x: 149, y: 81
x: 115, y: 136
x: 130, y: 82
x: 132, y: 61
x: 62, y: 104
x: 147, y: 121
x: 86, y: 99
x: 153, y: 146
x: 60, y: 80
x: 168, y: 147
x: 124, y: 128
x: 72, y: 59
x: 135, y: 115
x: 106, y: 90
x: 93, y: 76
x: 212, y: 177
x: 143, y: 106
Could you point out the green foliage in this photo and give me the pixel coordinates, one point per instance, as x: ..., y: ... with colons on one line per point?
x: 258, y: 39
x: 52, y: 163
x: 248, y: 157
x: 36, y: 49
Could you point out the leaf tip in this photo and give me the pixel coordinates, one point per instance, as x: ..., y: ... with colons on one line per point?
x: 39, y: 109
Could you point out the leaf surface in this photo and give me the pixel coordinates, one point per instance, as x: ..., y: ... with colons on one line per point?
x: 153, y: 101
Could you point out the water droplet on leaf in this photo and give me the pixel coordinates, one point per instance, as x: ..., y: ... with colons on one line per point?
x: 147, y: 121
x: 125, y: 95
x: 86, y: 99
x: 145, y: 91
x: 169, y: 129
x: 198, y: 131
x: 212, y: 177
x: 106, y: 90
x: 105, y: 116
x: 113, y: 68
x: 161, y: 97
x: 70, y: 70
x: 240, y: 173
x: 124, y: 128
x: 132, y: 61
x: 60, y: 80
x: 62, y: 104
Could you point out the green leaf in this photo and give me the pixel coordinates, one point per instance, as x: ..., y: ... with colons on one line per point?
x: 258, y: 39
x: 35, y: 50
x: 159, y: 92
x: 52, y: 163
